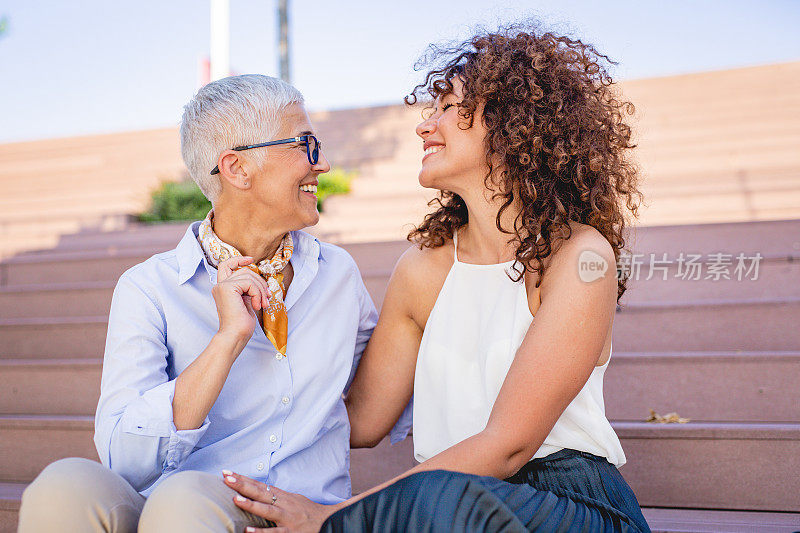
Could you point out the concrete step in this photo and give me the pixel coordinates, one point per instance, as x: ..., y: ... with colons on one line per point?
x: 653, y: 131
x: 775, y: 278
x: 746, y: 324
x: 84, y: 298
x: 684, y: 114
x: 36, y: 227
x: 134, y: 235
x: 665, y: 520
x: 713, y: 465
x: 662, y: 215
x: 670, y: 465
x: 655, y: 191
x: 710, y: 386
x: 46, y: 387
x: 31, y: 442
x: 723, y: 202
x: 53, y: 338
x: 77, y: 205
x: 756, y: 147
x: 774, y: 237
x: 71, y: 267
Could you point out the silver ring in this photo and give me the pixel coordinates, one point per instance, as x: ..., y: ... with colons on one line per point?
x: 274, y: 499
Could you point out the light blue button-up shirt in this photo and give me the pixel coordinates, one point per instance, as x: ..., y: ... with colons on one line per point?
x: 280, y: 420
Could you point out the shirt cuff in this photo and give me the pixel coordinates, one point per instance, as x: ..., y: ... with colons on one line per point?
x: 403, y: 425
x: 151, y: 415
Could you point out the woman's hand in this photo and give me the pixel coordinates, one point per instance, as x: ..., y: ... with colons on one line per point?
x: 290, y: 512
x: 237, y: 294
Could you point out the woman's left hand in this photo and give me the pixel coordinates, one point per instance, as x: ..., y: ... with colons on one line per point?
x: 290, y: 512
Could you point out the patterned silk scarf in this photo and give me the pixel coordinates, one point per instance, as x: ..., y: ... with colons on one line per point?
x: 276, y: 323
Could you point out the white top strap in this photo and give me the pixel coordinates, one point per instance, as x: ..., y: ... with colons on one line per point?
x: 455, y: 245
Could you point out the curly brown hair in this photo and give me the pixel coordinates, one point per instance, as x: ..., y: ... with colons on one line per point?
x: 557, y: 126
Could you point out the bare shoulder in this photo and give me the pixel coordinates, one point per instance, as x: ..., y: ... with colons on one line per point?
x: 585, y: 241
x: 419, y: 275
x: 585, y: 257
x: 415, y: 260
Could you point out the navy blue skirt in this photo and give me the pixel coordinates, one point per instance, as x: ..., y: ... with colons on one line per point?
x: 566, y: 491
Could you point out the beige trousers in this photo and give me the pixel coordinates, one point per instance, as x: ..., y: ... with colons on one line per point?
x: 79, y: 495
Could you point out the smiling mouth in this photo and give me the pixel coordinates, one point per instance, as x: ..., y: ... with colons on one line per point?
x: 309, y: 188
x: 433, y: 149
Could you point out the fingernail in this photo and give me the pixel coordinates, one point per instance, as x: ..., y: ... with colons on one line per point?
x: 227, y: 473
x: 250, y: 529
x: 230, y: 479
x: 240, y: 498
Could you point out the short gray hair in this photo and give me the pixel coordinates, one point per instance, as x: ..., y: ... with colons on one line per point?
x: 231, y: 112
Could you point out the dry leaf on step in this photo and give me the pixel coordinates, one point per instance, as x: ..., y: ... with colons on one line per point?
x: 669, y: 418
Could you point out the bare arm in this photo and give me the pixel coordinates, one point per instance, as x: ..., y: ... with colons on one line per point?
x: 384, y: 380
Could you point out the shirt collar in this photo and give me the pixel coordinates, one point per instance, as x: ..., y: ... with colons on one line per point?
x: 190, y: 254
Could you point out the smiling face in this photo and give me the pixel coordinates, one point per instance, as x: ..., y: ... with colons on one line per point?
x: 454, y: 156
x: 283, y: 183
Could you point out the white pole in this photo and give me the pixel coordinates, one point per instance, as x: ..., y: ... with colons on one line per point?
x: 220, y: 39
x: 283, y: 40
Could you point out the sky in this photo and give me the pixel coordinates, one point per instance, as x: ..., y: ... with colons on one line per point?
x: 95, y: 66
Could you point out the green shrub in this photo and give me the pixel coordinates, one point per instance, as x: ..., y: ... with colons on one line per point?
x: 337, y: 181
x: 180, y: 200
x: 183, y: 200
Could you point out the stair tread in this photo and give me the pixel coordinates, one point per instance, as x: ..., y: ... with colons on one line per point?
x: 708, y: 430
x: 80, y: 422
x: 11, y: 494
x: 64, y: 362
x: 702, y: 520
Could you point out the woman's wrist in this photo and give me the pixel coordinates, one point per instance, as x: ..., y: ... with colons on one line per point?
x: 230, y: 343
x: 337, y: 506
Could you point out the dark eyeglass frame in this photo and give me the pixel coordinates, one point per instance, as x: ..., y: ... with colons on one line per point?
x: 312, y: 154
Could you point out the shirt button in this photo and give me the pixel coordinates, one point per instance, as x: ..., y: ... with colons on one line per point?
x: 273, y: 438
x: 285, y: 399
x: 278, y: 356
x: 260, y: 466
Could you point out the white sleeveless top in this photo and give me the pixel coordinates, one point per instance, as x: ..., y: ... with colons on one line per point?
x: 475, y: 327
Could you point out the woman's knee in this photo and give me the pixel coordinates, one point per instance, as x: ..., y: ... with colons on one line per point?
x: 431, y: 481
x: 73, y: 494
x: 66, y: 481
x: 186, y: 498
x: 185, y: 485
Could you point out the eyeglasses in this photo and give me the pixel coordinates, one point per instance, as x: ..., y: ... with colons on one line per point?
x: 313, y: 146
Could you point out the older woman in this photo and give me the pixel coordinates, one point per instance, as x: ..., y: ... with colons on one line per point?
x: 245, y: 374
x: 494, y: 322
